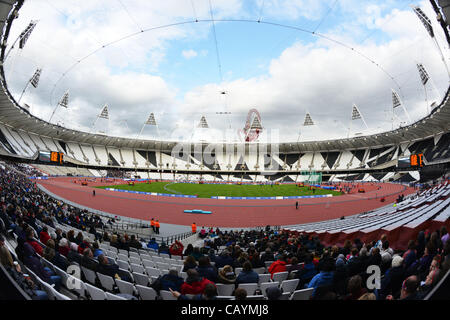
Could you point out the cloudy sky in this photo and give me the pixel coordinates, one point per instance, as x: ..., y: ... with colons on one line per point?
x: 141, y: 56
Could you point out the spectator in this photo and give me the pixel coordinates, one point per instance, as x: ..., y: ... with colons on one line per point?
x: 393, y: 278
x: 44, y: 236
x: 189, y: 263
x: 355, y: 289
x: 88, y: 261
x: 206, y: 270
x: 308, y: 271
x: 324, y: 278
x: 107, y: 268
x: 226, y: 275
x: 153, y: 245
x: 32, y: 242
x: 97, y: 250
x: 194, y: 283
x: 53, y: 256
x: 445, y: 235
x: 278, y: 266
x: 240, y: 294
x: 273, y: 293
x: 410, y: 255
x: 170, y: 281
x: 209, y: 293
x: 224, y: 259
x: 247, y: 275
x: 176, y: 249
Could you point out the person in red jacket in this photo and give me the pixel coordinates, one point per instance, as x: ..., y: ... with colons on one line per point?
x: 176, y: 248
x: 36, y: 246
x: 44, y: 236
x: 194, y: 284
x: 278, y: 266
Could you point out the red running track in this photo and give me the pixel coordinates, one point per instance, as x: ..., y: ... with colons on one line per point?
x: 225, y: 213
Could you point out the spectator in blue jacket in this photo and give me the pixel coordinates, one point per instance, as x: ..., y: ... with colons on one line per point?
x: 206, y: 270
x: 324, y: 278
x: 308, y: 271
x: 224, y: 259
x: 171, y: 281
x: 247, y: 275
x: 153, y: 245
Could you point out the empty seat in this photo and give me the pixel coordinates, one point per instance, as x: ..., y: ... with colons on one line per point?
x: 89, y: 275
x: 249, y: 287
x: 304, y: 294
x: 140, y: 279
x: 224, y: 289
x: 137, y: 268
x: 125, y: 287
x: 110, y: 296
x: 264, y: 278
x: 146, y: 293
x: 135, y: 260
x: 289, y: 285
x: 280, y: 276
x: 153, y: 271
x: 265, y: 285
x: 123, y: 264
x: 107, y: 282
x: 95, y: 293
x: 148, y: 263
x: 166, y: 295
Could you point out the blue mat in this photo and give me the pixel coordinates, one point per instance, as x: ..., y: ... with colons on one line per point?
x: 197, y: 211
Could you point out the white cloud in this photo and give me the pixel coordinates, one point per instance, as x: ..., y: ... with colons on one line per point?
x: 316, y: 76
x: 189, y: 54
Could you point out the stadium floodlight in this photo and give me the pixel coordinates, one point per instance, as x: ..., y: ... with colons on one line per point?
x: 424, y: 19
x: 203, y: 123
x: 424, y: 77
x: 396, y: 102
x: 104, y: 114
x: 356, y: 114
x: 22, y: 38
x: 308, y: 121
x: 64, y: 102
x: 34, y: 81
x: 151, y: 121
x: 26, y: 33
x: 427, y: 24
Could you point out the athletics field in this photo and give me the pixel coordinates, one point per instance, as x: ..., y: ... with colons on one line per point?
x: 226, y: 190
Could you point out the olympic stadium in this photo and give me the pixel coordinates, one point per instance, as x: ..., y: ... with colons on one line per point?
x: 224, y: 152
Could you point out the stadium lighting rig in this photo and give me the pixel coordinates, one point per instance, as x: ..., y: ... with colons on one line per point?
x: 34, y: 81
x: 427, y: 24
x: 22, y: 38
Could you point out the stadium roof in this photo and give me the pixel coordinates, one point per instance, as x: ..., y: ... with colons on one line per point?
x: 13, y: 115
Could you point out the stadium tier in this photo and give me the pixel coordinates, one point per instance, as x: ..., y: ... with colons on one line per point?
x: 88, y: 216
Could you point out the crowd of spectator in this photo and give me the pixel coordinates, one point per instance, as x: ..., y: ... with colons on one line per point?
x: 336, y: 272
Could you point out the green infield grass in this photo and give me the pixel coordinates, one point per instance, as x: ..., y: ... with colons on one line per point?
x: 226, y: 190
